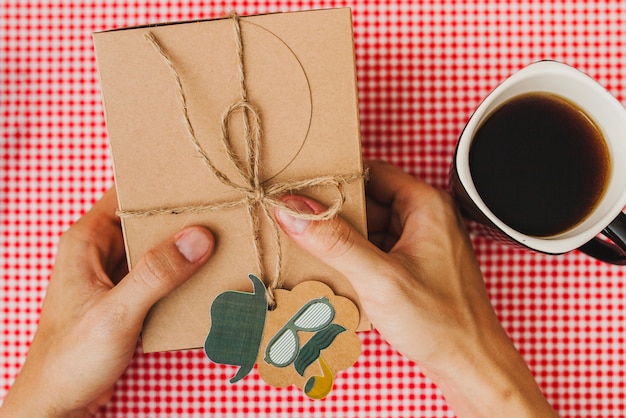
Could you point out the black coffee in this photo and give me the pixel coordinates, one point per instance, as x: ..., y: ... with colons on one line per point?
x: 540, y: 164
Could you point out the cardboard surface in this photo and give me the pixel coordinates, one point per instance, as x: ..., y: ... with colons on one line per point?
x: 300, y: 76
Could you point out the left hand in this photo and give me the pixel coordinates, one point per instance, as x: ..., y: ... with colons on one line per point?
x: 92, y: 315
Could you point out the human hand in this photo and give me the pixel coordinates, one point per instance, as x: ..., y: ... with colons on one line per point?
x: 92, y: 315
x: 422, y: 288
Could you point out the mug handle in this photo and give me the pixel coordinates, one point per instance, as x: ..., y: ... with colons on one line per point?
x: 612, y: 253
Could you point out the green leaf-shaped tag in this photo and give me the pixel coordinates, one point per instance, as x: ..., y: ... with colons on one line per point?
x: 237, y: 323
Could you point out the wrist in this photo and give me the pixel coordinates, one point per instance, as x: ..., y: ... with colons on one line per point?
x: 28, y: 397
x: 29, y: 405
x: 490, y: 378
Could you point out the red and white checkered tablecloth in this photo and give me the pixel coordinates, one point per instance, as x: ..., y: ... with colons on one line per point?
x: 423, y: 66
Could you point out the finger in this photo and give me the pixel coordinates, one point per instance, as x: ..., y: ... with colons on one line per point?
x: 89, y: 250
x: 379, y: 230
x: 102, y: 214
x: 335, y: 242
x: 164, y: 268
x: 378, y: 216
x: 385, y: 241
x: 412, y: 202
x: 388, y: 183
x: 392, y: 188
x: 100, y: 229
x: 119, y: 271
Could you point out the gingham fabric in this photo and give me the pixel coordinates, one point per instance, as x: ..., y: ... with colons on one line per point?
x: 422, y: 67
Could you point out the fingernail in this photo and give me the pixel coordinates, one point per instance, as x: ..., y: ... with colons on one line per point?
x: 292, y: 223
x: 193, y: 244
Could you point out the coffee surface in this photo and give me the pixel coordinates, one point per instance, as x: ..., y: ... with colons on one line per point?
x: 540, y: 164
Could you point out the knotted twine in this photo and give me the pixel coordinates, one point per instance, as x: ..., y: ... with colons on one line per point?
x: 256, y: 196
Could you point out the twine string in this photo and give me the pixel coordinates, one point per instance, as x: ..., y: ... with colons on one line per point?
x: 257, y: 197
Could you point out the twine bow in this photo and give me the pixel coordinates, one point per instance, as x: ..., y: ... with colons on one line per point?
x: 257, y: 196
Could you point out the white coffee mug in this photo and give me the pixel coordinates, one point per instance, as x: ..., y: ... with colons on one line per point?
x: 610, y: 117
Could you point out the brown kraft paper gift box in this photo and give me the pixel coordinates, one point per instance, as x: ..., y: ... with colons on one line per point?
x: 300, y: 76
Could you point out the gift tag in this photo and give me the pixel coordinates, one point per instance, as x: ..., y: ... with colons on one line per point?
x: 304, y: 341
x: 308, y: 338
x: 237, y: 323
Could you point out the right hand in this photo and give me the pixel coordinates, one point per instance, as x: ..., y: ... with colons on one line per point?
x: 420, y: 284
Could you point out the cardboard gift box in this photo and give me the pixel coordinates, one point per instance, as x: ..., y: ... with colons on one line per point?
x: 160, y: 82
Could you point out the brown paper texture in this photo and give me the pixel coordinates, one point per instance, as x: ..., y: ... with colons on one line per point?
x: 300, y: 75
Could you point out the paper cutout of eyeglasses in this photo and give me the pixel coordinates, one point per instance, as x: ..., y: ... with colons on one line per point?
x: 237, y: 325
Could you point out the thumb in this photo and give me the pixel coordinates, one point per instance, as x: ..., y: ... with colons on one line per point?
x: 165, y: 267
x: 334, y: 241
